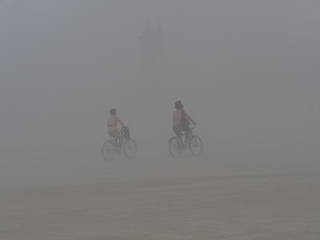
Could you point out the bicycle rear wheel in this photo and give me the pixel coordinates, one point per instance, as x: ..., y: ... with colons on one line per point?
x: 108, y: 151
x: 129, y: 148
x: 175, y: 148
x: 195, y: 146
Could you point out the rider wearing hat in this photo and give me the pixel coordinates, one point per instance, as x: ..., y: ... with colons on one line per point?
x: 112, y: 126
x: 179, y: 117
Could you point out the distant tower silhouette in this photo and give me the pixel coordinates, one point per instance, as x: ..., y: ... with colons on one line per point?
x: 152, y: 50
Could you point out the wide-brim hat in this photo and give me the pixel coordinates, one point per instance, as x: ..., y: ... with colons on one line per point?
x: 178, y: 104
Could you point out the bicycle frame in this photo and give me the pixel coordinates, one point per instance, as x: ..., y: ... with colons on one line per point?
x: 114, y: 136
x: 192, y: 142
x: 190, y: 134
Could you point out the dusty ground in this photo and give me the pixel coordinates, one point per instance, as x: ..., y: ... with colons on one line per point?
x: 236, y: 196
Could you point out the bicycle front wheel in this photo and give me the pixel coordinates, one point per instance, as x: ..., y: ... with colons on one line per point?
x: 129, y: 148
x: 175, y: 148
x: 195, y: 146
x: 108, y: 150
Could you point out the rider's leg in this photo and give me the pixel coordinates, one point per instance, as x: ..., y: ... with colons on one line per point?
x: 119, y: 137
x: 187, y: 130
x: 179, y: 135
x: 178, y: 131
x: 187, y: 136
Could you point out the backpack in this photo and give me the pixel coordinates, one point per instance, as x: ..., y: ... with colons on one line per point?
x: 125, y: 132
x: 185, y: 122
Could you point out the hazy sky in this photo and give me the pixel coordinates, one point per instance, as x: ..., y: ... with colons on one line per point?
x: 245, y: 70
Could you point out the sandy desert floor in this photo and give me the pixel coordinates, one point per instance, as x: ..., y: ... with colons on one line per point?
x: 240, y: 197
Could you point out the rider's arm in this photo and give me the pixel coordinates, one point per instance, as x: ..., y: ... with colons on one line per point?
x: 121, y: 123
x: 110, y: 122
x: 188, y: 117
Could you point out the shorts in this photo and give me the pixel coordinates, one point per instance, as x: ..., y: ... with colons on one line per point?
x: 179, y: 128
x: 112, y: 133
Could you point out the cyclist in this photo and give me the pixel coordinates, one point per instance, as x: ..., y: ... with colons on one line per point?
x: 181, y: 121
x: 112, y: 127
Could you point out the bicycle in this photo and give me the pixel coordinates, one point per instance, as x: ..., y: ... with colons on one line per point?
x: 111, y: 147
x: 192, y: 142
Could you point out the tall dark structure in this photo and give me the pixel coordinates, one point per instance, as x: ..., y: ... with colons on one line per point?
x: 151, y: 52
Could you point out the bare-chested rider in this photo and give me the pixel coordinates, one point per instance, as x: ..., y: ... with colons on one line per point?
x: 112, y: 127
x: 178, y: 126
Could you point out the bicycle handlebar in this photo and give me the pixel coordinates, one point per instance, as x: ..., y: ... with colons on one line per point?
x: 194, y: 126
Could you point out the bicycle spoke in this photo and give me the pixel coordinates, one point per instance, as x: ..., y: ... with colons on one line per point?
x: 129, y: 148
x: 175, y: 147
x: 108, y: 150
x: 195, y: 146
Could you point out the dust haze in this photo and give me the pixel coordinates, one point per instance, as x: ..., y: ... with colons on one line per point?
x: 246, y: 71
